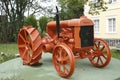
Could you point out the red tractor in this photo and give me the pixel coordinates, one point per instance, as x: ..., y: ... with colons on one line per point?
x: 68, y: 41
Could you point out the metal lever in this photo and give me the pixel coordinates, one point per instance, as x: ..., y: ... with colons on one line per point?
x: 57, y: 22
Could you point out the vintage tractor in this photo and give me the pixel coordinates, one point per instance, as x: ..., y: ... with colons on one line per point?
x: 68, y: 41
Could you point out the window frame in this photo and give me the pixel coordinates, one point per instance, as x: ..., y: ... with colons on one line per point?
x: 98, y: 26
x: 112, y: 1
x: 107, y: 24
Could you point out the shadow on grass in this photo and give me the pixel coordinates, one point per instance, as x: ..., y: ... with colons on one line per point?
x: 37, y: 65
x: 118, y: 78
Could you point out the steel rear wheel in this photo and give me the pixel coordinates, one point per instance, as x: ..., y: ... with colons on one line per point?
x: 63, y: 60
x: 29, y: 45
x: 101, y: 54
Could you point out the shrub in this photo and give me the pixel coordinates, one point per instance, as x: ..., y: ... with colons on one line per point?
x: 42, y: 25
x: 31, y: 21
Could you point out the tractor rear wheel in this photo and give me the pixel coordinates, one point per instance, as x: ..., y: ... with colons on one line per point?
x: 63, y: 60
x: 29, y: 45
x: 101, y: 54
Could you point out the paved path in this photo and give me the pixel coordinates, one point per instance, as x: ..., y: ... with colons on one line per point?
x: 84, y: 70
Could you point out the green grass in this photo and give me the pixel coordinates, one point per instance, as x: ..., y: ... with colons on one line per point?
x: 8, y: 51
x: 115, y: 54
x: 9, y: 48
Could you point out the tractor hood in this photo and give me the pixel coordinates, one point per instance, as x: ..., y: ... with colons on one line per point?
x: 83, y: 21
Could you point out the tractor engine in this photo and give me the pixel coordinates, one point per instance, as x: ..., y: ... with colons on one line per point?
x: 78, y: 32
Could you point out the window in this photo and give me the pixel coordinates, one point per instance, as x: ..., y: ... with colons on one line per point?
x: 95, y: 1
x: 111, y: 28
x: 112, y: 1
x: 96, y: 26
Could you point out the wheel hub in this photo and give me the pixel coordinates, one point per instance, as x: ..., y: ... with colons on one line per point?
x: 98, y: 53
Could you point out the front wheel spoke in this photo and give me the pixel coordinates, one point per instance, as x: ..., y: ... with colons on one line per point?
x: 65, y: 69
x: 57, y: 58
x: 60, y: 53
x: 98, y: 60
x: 66, y: 58
x: 57, y: 65
x: 93, y: 50
x: 102, y: 48
x: 65, y: 55
x: 104, y: 57
x: 101, y: 60
x: 104, y: 52
x: 98, y: 45
x: 93, y: 58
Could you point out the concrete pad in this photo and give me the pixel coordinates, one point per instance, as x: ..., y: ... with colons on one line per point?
x: 83, y: 70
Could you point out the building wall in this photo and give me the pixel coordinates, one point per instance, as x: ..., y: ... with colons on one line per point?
x: 113, y: 11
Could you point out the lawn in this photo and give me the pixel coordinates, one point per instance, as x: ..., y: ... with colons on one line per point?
x: 8, y: 51
x: 9, y: 48
x: 115, y: 54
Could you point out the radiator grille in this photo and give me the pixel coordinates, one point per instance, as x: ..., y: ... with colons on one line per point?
x: 86, y: 36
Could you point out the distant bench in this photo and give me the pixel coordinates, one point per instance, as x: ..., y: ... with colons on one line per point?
x: 114, y: 43
x: 117, y: 47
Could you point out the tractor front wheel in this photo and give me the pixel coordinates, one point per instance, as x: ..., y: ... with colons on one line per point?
x: 63, y: 60
x: 101, y: 54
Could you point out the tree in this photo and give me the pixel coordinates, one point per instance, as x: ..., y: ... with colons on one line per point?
x: 75, y: 8
x: 71, y: 8
x: 95, y: 7
x: 42, y: 8
x: 14, y: 10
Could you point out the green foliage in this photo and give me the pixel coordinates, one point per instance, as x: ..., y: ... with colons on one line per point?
x: 31, y: 21
x: 96, y: 7
x: 75, y: 8
x: 42, y: 25
x: 71, y: 8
